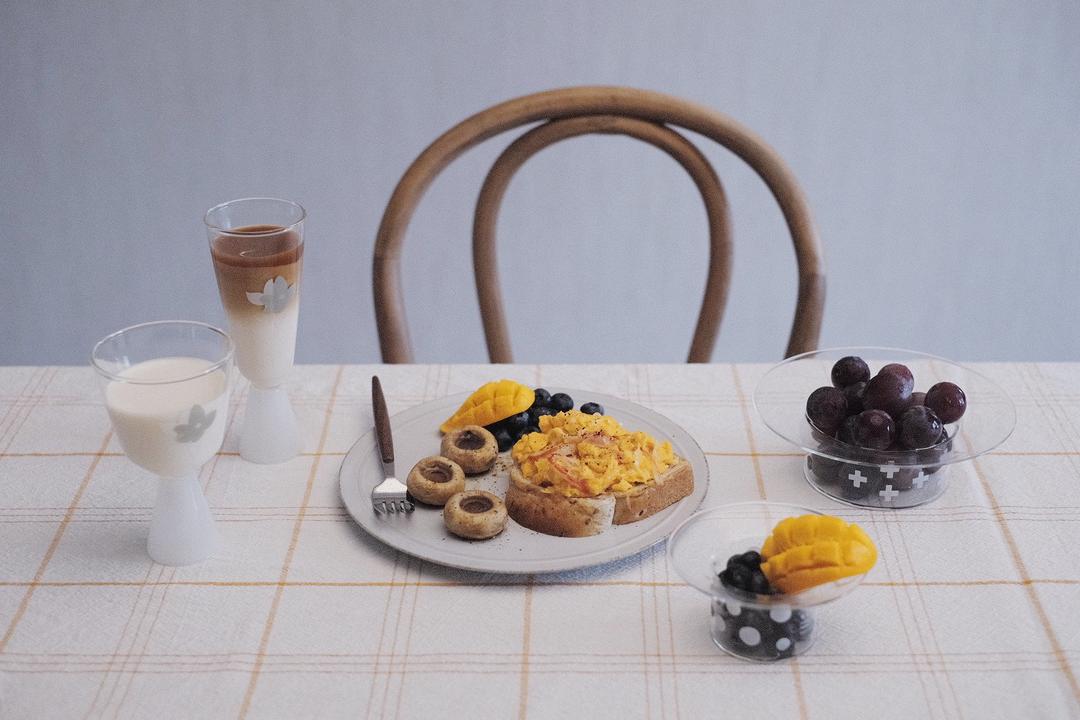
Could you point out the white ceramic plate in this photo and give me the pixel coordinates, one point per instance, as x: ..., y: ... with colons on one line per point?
x: 516, y: 549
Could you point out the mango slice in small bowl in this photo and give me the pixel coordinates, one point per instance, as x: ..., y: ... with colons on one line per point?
x: 808, y: 558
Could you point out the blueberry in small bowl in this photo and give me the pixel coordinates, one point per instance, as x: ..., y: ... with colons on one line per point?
x: 750, y: 561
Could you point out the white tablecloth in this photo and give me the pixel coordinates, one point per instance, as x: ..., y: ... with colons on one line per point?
x: 973, y: 610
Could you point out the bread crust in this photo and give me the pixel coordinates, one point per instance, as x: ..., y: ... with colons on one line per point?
x: 555, y: 514
x: 671, y: 486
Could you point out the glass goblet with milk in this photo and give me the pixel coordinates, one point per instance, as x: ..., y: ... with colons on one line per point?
x: 257, y: 246
x: 166, y: 387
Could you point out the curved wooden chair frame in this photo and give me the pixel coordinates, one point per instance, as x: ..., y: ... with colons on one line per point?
x: 641, y: 114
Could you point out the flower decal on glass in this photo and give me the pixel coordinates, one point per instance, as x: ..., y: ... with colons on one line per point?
x: 275, y: 295
x: 198, y: 421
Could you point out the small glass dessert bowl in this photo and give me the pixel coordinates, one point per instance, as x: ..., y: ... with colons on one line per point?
x: 878, y: 455
x: 750, y: 626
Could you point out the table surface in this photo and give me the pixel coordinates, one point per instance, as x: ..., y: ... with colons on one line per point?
x: 973, y: 609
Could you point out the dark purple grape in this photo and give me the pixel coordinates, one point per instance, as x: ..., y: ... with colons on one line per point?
x: 888, y: 392
x: 874, y: 429
x: 849, y: 370
x: 897, y: 410
x: 901, y: 371
x: 826, y: 409
x: 822, y: 468
x: 846, y: 433
x: 947, y: 400
x: 920, y: 427
x: 854, y: 395
x: 917, y: 398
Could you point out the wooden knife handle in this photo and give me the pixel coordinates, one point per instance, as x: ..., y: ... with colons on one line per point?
x: 382, y: 421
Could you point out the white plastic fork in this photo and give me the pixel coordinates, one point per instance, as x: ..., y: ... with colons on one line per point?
x: 390, y: 496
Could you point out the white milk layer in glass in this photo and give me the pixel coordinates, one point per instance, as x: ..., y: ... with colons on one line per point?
x: 171, y: 428
x: 265, y: 343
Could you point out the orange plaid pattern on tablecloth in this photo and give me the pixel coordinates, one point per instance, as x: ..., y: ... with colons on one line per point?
x: 973, y: 610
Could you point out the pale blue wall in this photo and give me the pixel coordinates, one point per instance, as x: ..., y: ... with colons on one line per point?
x: 938, y: 144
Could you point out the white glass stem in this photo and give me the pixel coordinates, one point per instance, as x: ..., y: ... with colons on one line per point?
x: 182, y: 531
x: 271, y: 433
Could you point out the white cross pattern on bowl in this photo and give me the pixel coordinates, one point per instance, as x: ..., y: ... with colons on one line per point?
x: 888, y: 494
x: 857, y: 478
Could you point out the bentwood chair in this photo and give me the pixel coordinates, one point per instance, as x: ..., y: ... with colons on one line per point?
x: 569, y: 112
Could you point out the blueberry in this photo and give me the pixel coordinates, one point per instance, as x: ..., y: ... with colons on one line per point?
x: 531, y: 428
x: 758, y: 619
x: 801, y: 625
x: 535, y: 413
x: 759, y: 584
x: 503, y: 437
x: 750, y: 558
x: 542, y: 399
x: 739, y: 577
x: 748, y: 637
x: 561, y: 402
x: 516, y: 423
x: 730, y: 609
x: 592, y: 408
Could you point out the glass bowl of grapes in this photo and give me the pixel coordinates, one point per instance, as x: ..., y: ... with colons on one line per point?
x: 716, y: 551
x: 882, y: 426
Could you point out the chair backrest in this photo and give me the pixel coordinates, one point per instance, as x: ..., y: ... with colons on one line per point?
x: 642, y: 114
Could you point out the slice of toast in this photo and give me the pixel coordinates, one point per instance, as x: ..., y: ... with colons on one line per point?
x: 555, y: 514
x: 640, y: 502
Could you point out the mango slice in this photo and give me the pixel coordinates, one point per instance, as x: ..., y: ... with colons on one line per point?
x: 811, y: 550
x: 491, y: 403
